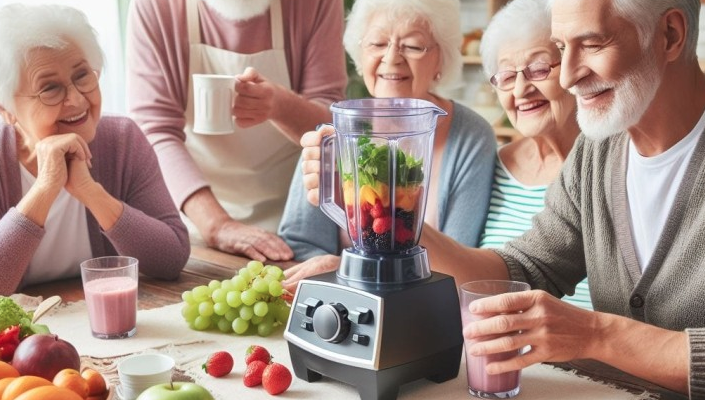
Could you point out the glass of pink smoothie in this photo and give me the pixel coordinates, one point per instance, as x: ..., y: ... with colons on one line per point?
x: 110, y: 289
x: 480, y: 383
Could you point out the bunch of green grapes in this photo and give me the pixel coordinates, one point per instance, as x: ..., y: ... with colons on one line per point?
x: 251, y: 302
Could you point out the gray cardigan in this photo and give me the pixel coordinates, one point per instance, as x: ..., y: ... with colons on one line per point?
x: 585, y: 229
x: 149, y: 228
x: 463, y: 193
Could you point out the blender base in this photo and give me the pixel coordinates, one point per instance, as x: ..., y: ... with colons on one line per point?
x: 377, y: 385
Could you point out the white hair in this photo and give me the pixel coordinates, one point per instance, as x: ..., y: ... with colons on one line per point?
x: 519, y: 19
x: 442, y: 16
x: 644, y: 14
x: 24, y: 28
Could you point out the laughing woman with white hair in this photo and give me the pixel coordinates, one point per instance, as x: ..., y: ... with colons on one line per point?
x: 406, y: 48
x: 73, y: 184
x: 523, y: 66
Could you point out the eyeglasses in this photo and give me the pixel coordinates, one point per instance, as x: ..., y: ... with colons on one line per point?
x: 54, y: 92
x: 378, y: 49
x: 538, y: 71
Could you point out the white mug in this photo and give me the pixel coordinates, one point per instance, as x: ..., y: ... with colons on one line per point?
x: 212, y: 108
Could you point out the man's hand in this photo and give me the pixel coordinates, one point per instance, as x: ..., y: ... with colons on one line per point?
x: 555, y: 330
x: 251, y: 241
x: 254, y: 98
x: 313, y: 266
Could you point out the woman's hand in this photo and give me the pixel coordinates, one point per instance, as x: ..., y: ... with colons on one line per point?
x: 313, y: 266
x: 80, y: 183
x: 311, y: 165
x: 59, y: 157
x: 62, y: 161
x: 555, y: 330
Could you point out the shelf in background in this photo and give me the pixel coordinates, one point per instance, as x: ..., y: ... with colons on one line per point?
x: 472, y: 60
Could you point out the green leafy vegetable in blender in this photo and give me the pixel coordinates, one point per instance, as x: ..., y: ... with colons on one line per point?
x: 373, y: 165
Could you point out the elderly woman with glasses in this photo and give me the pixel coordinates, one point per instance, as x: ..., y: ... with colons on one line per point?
x: 406, y: 48
x: 523, y: 66
x: 73, y: 185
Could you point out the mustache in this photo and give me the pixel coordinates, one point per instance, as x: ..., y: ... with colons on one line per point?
x: 587, y: 88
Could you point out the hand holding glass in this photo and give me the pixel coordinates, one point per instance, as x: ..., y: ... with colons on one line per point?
x: 110, y: 289
x: 480, y: 383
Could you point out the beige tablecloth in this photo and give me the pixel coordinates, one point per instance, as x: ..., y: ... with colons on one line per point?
x: 164, y: 330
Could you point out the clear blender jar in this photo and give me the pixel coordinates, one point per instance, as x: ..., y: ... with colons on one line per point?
x: 382, y: 159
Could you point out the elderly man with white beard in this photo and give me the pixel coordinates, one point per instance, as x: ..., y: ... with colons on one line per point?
x: 627, y: 211
x: 289, y: 63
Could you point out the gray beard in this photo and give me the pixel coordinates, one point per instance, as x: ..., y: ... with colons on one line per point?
x: 239, y: 10
x: 633, y: 95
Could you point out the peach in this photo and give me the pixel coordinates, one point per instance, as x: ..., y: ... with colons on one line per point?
x: 71, y: 379
x: 96, y: 382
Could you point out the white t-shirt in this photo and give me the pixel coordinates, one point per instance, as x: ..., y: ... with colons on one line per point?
x: 65, y: 243
x: 652, y: 184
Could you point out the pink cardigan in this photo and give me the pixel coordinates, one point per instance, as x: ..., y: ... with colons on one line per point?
x: 149, y: 228
x: 158, y: 68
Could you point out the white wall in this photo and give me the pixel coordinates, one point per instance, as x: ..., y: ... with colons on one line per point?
x: 104, y: 16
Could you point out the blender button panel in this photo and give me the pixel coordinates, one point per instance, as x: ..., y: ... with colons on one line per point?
x: 361, y: 339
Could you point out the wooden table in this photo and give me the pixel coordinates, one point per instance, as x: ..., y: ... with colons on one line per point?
x: 206, y: 264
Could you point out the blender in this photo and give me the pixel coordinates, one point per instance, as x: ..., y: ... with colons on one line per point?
x: 383, y: 318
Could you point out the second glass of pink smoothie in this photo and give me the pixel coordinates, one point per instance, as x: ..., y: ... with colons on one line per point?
x: 110, y: 289
x: 480, y: 383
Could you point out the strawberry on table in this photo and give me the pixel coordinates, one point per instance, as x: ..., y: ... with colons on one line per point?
x: 253, y: 373
x: 219, y: 364
x: 256, y: 352
x: 276, y: 378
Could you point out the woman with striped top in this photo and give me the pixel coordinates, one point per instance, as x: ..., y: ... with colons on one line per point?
x: 523, y: 66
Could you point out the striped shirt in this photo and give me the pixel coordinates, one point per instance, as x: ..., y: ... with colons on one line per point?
x: 512, y: 205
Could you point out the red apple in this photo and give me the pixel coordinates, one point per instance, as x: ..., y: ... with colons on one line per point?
x: 45, y: 355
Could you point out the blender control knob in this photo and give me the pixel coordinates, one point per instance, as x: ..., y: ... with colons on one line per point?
x: 330, y: 322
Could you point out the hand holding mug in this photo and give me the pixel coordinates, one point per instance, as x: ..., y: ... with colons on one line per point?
x: 254, y: 98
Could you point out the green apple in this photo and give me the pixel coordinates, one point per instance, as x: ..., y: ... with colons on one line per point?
x: 176, y: 391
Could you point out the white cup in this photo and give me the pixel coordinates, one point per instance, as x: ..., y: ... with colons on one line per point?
x: 141, y: 371
x: 213, y: 98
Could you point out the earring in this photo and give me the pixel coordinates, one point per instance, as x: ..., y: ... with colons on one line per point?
x: 437, y: 77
